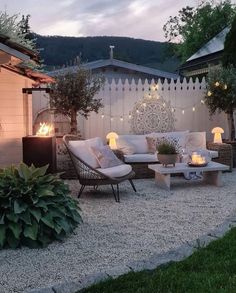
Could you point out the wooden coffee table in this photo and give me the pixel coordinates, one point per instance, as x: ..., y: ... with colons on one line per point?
x: 211, y: 173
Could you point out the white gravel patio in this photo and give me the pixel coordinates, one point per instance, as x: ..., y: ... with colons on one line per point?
x: 143, y: 223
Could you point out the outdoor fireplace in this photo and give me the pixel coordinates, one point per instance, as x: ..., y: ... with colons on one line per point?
x: 40, y: 149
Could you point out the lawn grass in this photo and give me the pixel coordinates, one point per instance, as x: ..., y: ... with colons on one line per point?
x: 209, y: 269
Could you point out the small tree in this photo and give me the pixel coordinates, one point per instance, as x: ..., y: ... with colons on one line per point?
x: 221, y: 94
x: 12, y: 27
x: 73, y: 93
x: 195, y: 26
x: 229, y: 55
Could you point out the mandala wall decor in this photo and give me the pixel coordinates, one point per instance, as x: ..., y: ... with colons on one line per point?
x: 152, y: 114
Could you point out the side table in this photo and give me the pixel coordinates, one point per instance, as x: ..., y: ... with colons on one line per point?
x: 225, y: 153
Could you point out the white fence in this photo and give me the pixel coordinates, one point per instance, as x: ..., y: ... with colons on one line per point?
x: 186, y: 99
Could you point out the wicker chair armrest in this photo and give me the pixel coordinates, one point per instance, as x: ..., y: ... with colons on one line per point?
x: 119, y: 154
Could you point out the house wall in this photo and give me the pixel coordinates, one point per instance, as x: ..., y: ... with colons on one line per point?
x: 119, y: 99
x: 15, y: 116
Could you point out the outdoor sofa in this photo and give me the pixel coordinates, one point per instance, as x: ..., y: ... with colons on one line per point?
x: 134, y: 149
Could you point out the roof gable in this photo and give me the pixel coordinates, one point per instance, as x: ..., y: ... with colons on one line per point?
x: 215, y: 45
x: 118, y: 63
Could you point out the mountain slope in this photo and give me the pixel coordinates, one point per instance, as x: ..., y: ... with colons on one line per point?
x: 57, y: 51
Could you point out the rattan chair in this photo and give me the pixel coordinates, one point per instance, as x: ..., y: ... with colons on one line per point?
x: 89, y: 176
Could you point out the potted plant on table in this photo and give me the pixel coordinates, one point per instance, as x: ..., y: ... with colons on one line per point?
x: 167, y: 152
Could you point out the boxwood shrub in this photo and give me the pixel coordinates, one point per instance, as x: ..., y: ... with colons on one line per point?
x: 35, y: 207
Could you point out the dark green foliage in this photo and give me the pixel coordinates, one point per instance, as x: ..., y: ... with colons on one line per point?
x: 220, y: 94
x: 35, y: 208
x: 194, y: 27
x: 58, y: 51
x: 210, y: 269
x: 167, y: 148
x: 229, y: 55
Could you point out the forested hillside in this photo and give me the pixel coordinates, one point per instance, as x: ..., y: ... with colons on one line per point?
x: 57, y: 51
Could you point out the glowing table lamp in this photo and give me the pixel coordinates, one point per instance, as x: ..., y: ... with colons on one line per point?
x: 217, y: 131
x: 112, y: 136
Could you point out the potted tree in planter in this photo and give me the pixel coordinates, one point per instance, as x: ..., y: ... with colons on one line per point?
x: 73, y: 94
x: 167, y: 152
x: 220, y: 96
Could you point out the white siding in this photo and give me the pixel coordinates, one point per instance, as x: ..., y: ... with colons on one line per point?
x: 15, y: 116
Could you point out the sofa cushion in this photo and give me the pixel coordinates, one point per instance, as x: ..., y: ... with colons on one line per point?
x: 81, y: 148
x: 117, y: 171
x: 195, y: 141
x: 152, y: 144
x: 140, y: 158
x: 180, y: 136
x: 125, y: 146
x: 213, y: 154
x: 105, y: 156
x: 138, y: 141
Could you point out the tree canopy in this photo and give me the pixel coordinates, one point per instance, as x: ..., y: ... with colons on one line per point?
x: 73, y: 93
x: 220, y: 94
x: 195, y: 26
x: 229, y: 56
x: 16, y: 30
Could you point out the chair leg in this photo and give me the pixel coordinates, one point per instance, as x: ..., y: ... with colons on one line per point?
x: 114, y: 193
x: 132, y: 184
x: 81, y: 190
x: 118, y: 193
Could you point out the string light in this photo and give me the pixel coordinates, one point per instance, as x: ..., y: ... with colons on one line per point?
x: 130, y: 116
x: 121, y: 118
x: 164, y: 104
x: 112, y: 118
x: 202, y: 101
x: 183, y: 112
x: 102, y: 116
x: 225, y: 87
x: 144, y: 105
x: 193, y: 109
x: 209, y: 93
x: 137, y: 111
x: 172, y: 110
x: 217, y: 83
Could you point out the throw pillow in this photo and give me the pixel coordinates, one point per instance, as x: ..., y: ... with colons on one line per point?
x: 152, y: 144
x: 126, y: 147
x: 105, y: 157
x: 171, y: 140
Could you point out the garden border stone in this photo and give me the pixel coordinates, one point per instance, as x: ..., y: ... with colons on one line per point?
x: 151, y: 263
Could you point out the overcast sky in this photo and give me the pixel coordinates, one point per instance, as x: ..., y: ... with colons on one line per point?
x: 138, y: 19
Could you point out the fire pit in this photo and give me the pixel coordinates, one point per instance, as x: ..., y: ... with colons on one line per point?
x: 40, y: 149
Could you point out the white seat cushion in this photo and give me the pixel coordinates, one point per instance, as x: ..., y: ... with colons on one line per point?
x: 213, y: 154
x: 195, y: 141
x: 81, y: 148
x: 140, y: 158
x: 117, y: 171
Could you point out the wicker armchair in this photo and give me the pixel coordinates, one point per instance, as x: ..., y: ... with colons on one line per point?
x: 89, y: 176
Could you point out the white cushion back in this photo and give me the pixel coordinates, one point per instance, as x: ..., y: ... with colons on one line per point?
x: 180, y: 136
x: 81, y: 148
x: 196, y: 141
x: 139, y: 142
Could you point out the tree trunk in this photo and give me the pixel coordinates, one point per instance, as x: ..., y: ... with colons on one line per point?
x: 230, y: 118
x: 73, y: 122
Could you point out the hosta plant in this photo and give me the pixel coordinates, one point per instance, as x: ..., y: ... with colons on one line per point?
x: 35, y: 208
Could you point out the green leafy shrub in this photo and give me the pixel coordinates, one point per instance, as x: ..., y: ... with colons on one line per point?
x: 35, y: 208
x: 167, y: 148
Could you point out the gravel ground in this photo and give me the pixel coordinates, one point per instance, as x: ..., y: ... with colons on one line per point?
x: 150, y: 221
